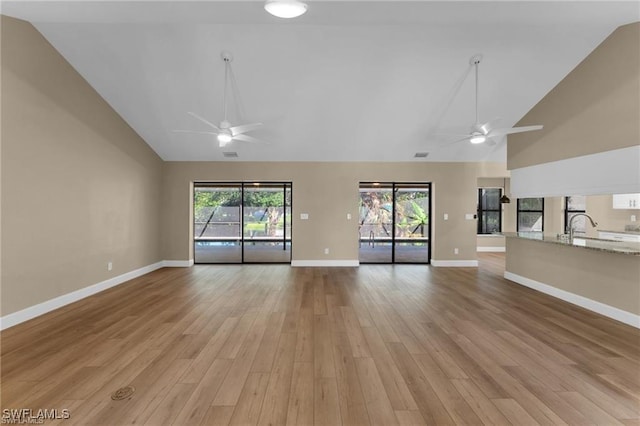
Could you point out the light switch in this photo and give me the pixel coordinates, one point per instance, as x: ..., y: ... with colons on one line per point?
x: 348, y: 216
x: 446, y: 216
x: 304, y: 216
x: 469, y: 216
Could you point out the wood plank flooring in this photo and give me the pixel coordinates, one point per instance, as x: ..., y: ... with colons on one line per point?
x: 275, y: 345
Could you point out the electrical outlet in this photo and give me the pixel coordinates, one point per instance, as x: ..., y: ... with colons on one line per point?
x: 633, y: 218
x: 456, y: 251
x: 326, y: 251
x: 348, y: 216
x: 446, y: 216
x: 109, y: 266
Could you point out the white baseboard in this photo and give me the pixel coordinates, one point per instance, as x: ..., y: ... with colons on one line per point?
x: 584, y: 302
x: 325, y: 263
x: 455, y: 263
x: 492, y: 249
x: 42, y: 308
x: 177, y: 263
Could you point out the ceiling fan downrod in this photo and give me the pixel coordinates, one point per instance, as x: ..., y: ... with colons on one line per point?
x: 475, y: 61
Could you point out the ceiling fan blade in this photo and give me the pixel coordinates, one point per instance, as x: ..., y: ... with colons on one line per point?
x: 195, y: 131
x: 512, y: 130
x: 451, y: 134
x: 466, y: 138
x: 247, y: 138
x: 207, y: 122
x: 243, y: 128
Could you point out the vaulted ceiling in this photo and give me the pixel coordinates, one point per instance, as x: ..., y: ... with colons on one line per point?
x: 348, y: 81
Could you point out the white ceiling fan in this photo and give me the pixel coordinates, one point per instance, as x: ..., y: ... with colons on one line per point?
x: 483, y: 132
x: 225, y: 132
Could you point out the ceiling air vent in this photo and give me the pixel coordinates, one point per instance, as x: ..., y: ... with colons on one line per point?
x: 230, y: 154
x: 421, y: 155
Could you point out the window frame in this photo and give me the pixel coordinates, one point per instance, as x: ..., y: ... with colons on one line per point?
x: 519, y: 210
x: 481, y: 210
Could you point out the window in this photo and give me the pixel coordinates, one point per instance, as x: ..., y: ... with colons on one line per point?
x: 530, y: 214
x: 572, y: 205
x: 489, y: 210
x: 242, y: 222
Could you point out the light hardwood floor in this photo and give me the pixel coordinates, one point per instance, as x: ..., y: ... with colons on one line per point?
x: 379, y: 344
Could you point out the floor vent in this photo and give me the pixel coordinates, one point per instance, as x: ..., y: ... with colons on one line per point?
x: 123, y: 393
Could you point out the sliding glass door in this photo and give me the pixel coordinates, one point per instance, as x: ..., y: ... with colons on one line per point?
x: 243, y: 222
x: 411, y: 236
x: 394, y: 222
x: 217, y: 212
x: 376, y: 222
x: 267, y: 222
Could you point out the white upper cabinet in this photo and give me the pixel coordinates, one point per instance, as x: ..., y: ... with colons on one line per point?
x: 626, y: 201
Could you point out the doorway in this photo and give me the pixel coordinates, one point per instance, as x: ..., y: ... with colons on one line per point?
x: 242, y: 222
x: 394, y: 225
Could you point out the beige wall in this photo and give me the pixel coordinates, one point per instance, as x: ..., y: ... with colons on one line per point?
x: 79, y: 187
x: 607, y: 278
x: 600, y: 207
x: 554, y: 215
x: 327, y: 192
x: 595, y: 108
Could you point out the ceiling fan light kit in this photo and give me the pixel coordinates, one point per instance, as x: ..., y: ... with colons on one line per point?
x: 476, y: 139
x: 224, y: 137
x: 286, y: 9
x: 225, y: 133
x: 482, y: 132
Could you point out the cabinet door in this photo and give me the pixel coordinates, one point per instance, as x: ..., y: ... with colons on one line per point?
x: 626, y: 201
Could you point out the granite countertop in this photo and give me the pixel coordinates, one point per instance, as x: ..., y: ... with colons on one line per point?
x: 619, y: 247
x: 626, y: 231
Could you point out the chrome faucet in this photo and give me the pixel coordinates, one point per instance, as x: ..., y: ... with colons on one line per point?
x: 570, y: 226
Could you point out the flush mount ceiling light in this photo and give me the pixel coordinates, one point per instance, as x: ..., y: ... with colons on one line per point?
x: 285, y: 8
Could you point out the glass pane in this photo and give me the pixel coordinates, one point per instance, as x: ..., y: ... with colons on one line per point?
x: 216, y: 224
x: 412, y: 224
x: 375, y: 221
x: 209, y: 251
x: 264, y: 223
x: 490, y: 222
x: 576, y: 202
x: 288, y: 217
x: 529, y: 222
x: 490, y: 198
x: 412, y: 252
x: 531, y: 203
x: 267, y: 251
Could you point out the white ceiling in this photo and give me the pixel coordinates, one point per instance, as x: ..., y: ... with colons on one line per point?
x: 348, y: 81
